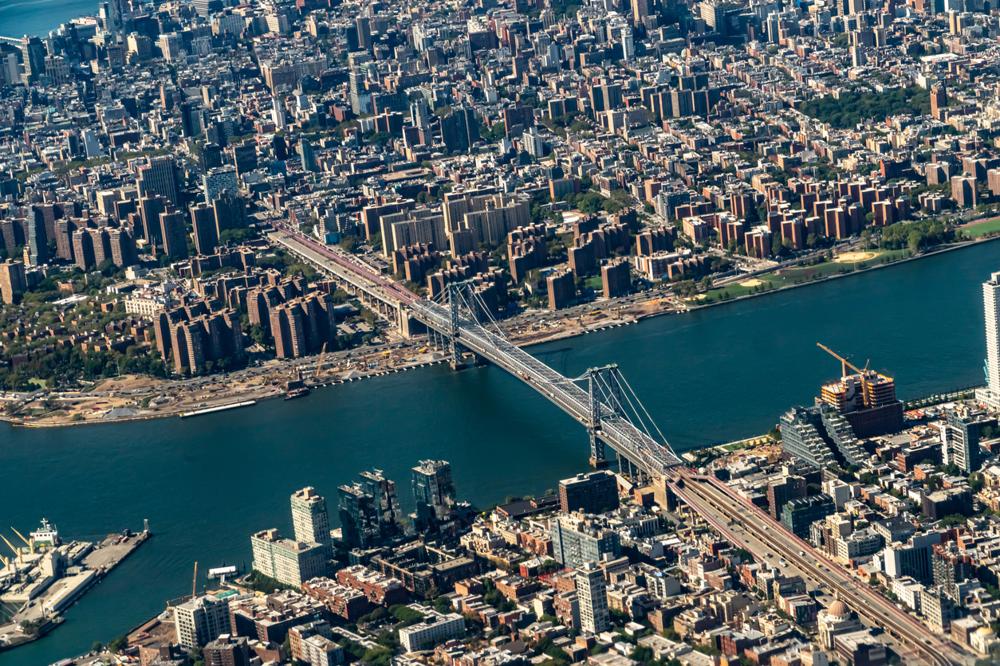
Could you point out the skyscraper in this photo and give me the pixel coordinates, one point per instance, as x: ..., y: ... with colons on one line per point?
x: 157, y: 177
x: 383, y: 492
x: 37, y: 249
x: 459, y: 129
x: 307, y: 155
x: 991, y: 308
x: 310, y: 520
x: 33, y: 51
x: 206, y: 236
x: 174, y: 234
x: 358, y: 517
x: 433, y: 493
x: 593, y: 596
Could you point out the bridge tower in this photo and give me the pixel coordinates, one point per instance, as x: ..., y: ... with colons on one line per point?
x: 595, y: 391
x: 461, y: 297
x: 454, y: 305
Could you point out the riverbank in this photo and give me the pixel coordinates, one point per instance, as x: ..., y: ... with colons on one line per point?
x: 696, y: 304
x: 128, y: 399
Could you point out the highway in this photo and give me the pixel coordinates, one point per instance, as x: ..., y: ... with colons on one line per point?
x: 748, y: 527
x: 345, y: 267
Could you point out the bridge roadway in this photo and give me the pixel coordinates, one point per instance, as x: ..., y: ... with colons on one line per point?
x: 734, y: 517
x: 630, y: 442
x: 746, y: 525
x: 625, y: 438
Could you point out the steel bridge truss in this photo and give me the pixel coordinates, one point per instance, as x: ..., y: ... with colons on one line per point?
x: 601, y: 399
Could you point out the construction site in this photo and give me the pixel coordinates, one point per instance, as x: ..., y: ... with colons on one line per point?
x: 44, y: 576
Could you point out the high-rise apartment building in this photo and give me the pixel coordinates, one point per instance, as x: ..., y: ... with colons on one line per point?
x: 593, y: 492
x: 383, y: 492
x: 578, y: 539
x: 174, y: 234
x: 218, y: 180
x: 158, y: 177
x: 200, y: 620
x: 991, y: 308
x: 591, y: 591
x: 287, y: 561
x: 310, y: 520
x: 433, y: 493
x: 12, y: 281
x: 206, y: 235
x: 359, y: 517
x: 960, y: 435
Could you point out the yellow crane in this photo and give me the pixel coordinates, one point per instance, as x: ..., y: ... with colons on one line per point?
x: 844, y: 363
x: 6, y: 561
x: 17, y: 553
x: 30, y: 544
x: 320, y: 361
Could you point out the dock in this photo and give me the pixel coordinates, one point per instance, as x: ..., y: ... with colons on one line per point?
x: 218, y: 408
x: 47, y: 576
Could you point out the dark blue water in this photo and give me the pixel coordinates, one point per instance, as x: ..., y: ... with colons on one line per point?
x: 708, y: 376
x: 38, y: 17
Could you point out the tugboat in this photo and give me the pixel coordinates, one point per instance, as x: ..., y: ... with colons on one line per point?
x: 296, y: 388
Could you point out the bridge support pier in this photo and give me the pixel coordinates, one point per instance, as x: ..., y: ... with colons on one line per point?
x: 598, y: 454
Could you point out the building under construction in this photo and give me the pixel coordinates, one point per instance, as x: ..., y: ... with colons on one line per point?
x: 866, y: 398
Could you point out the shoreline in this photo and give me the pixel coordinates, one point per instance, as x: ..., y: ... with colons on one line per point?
x: 637, y: 313
x: 940, y: 249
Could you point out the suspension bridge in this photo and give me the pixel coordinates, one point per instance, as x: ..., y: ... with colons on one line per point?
x: 603, y: 402
x: 601, y: 399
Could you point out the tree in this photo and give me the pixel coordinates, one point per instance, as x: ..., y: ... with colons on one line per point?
x: 642, y: 654
x: 405, y: 614
x: 118, y: 644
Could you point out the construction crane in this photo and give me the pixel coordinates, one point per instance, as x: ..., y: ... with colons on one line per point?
x: 17, y: 553
x: 30, y: 544
x: 194, y: 581
x: 844, y: 363
x: 320, y: 361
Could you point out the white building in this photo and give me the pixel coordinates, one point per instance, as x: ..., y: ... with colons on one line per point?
x: 310, y: 520
x: 991, y: 308
x: 432, y: 631
x: 286, y: 561
x: 146, y: 303
x: 201, y: 620
x: 592, y: 592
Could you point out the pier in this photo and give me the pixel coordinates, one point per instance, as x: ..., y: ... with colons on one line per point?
x: 47, y: 576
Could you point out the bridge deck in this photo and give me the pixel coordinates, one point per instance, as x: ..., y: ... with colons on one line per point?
x: 625, y: 438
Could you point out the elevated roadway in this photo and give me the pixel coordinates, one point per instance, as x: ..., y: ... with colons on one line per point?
x: 747, y: 526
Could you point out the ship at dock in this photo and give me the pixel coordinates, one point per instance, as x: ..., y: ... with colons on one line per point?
x: 46, y: 575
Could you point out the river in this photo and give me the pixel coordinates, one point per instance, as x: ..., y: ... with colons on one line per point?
x: 38, y: 17
x: 708, y: 376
